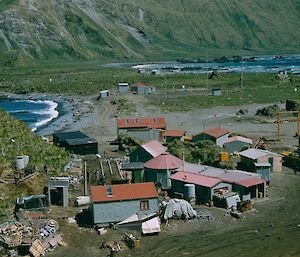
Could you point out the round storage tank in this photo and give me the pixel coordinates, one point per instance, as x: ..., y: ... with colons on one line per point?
x: 21, y: 162
x: 26, y: 160
x: 189, y: 191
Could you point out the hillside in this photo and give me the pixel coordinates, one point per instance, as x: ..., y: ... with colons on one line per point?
x: 17, y: 139
x: 145, y: 29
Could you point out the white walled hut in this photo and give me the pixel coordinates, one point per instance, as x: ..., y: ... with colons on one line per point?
x: 58, y: 191
x: 123, y: 87
x: 104, y: 94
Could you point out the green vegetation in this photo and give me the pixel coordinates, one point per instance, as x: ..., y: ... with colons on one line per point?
x: 123, y: 106
x: 17, y: 139
x: 127, y: 143
x: 205, y: 152
x: 258, y: 88
x: 147, y: 30
x: 87, y: 78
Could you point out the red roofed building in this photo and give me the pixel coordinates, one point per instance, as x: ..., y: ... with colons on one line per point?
x: 204, y: 186
x: 141, y: 88
x: 145, y: 129
x: 160, y: 168
x: 217, y: 135
x: 115, y: 203
x: 255, y: 187
x: 170, y: 135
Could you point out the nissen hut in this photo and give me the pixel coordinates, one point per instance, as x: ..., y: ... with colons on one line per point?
x: 115, y: 203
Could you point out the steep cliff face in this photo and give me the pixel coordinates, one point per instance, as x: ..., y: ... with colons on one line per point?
x: 139, y: 29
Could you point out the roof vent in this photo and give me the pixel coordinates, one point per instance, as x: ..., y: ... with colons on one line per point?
x: 109, y: 191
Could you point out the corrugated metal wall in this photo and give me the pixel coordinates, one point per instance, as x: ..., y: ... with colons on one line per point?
x: 158, y: 176
x: 203, y: 194
x: 235, y: 146
x: 145, y: 135
x: 140, y: 155
x: 112, y: 212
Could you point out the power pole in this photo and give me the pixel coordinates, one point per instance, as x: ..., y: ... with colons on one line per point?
x: 242, y: 71
x: 207, y: 70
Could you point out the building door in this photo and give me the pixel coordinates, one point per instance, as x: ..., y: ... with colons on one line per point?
x: 56, y: 196
x: 162, y: 179
x: 270, y: 160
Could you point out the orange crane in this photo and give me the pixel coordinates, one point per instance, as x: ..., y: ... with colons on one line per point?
x: 292, y: 120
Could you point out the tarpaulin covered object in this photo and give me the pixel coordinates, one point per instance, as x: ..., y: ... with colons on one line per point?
x: 178, y: 208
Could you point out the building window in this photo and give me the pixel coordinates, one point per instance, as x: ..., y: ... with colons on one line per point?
x: 144, y: 205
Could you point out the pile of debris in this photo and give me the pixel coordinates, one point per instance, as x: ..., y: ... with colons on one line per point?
x: 34, y: 238
x: 269, y: 111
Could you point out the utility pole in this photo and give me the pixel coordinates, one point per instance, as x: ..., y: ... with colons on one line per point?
x: 85, y: 180
x: 207, y: 70
x: 242, y: 71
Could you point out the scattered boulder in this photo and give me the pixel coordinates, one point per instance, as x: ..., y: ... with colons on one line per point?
x: 242, y: 112
x: 292, y: 105
x: 269, y: 111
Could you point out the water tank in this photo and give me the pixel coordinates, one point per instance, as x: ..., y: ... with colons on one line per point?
x: 82, y: 200
x: 21, y: 162
x: 189, y: 191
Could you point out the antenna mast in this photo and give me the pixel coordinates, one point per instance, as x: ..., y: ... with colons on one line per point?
x: 242, y: 71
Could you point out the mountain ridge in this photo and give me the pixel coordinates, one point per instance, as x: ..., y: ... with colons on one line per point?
x: 146, y: 29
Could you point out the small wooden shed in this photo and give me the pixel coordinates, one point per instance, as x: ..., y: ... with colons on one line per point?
x: 104, y: 94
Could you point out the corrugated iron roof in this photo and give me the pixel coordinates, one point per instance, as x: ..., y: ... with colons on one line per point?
x: 250, y: 182
x: 123, y: 192
x: 254, y: 154
x: 174, y: 133
x: 164, y: 161
x: 69, y: 135
x: 139, y: 84
x: 194, y: 178
x: 235, y: 176
x: 238, y: 138
x: 229, y: 176
x: 216, y: 132
x: 155, y: 123
x: 154, y: 147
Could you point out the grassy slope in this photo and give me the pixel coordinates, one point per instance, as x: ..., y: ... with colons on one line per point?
x: 17, y: 139
x: 95, y: 29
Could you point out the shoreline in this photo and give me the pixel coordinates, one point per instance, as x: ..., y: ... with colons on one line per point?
x: 71, y: 110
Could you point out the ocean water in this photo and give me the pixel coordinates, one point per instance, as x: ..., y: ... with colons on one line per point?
x: 35, y: 113
x: 269, y: 64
